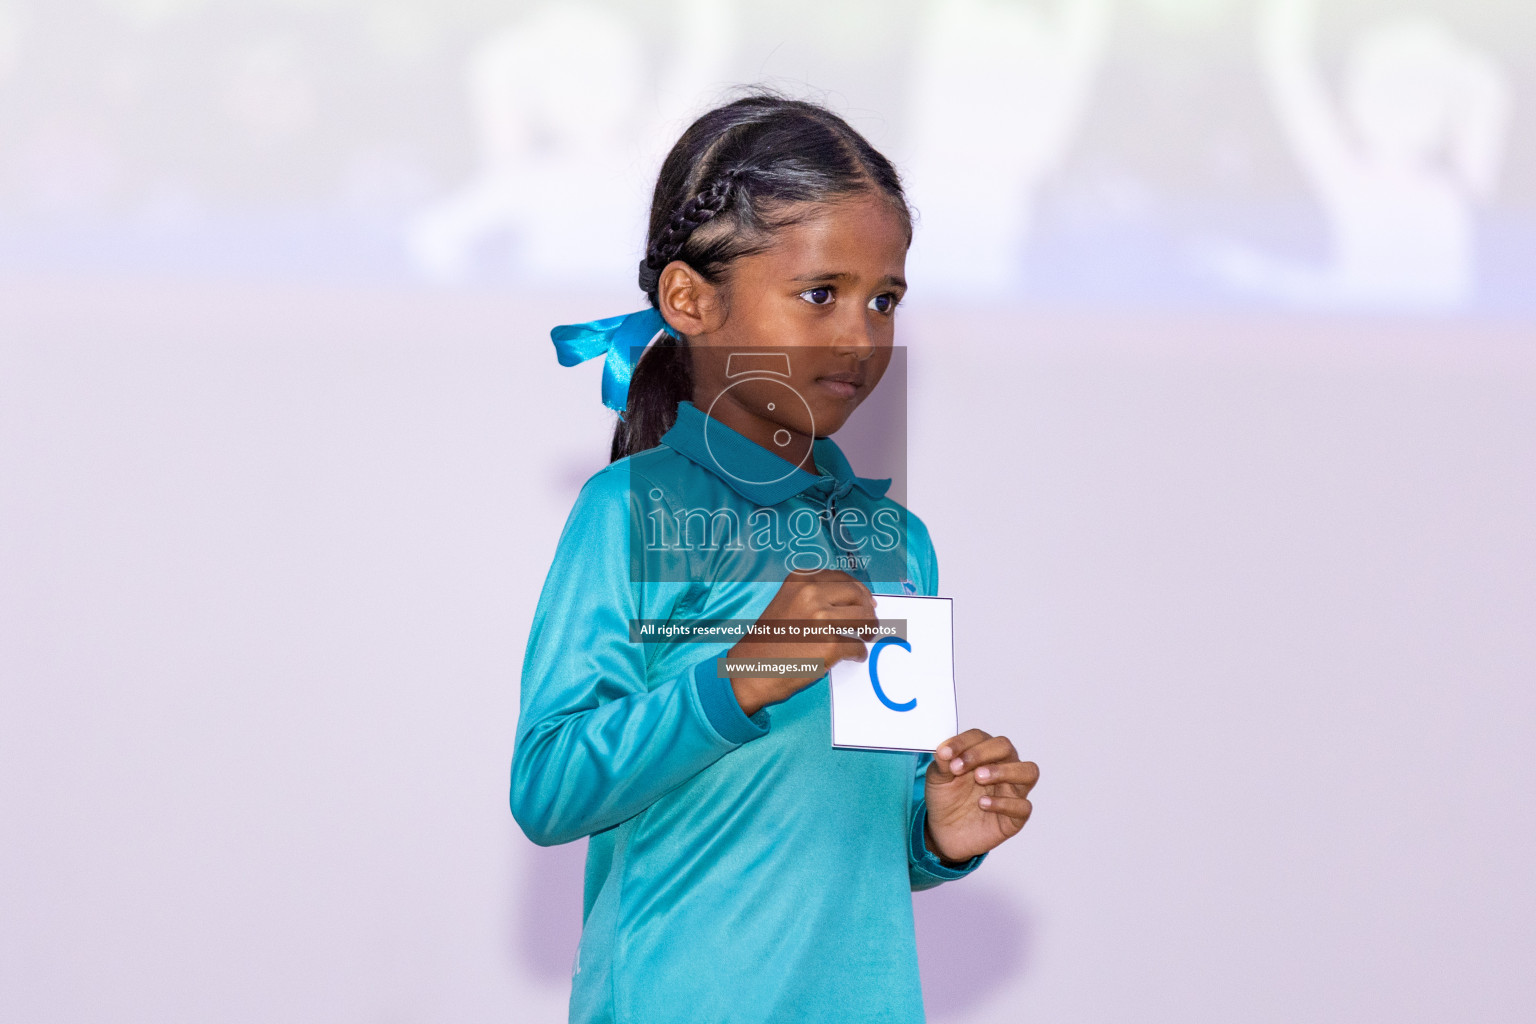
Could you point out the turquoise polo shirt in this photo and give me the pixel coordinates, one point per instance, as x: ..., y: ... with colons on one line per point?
x: 740, y: 870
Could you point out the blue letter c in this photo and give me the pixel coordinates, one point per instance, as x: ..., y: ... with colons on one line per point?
x: 874, y: 674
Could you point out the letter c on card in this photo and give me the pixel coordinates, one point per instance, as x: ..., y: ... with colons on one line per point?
x: 874, y: 672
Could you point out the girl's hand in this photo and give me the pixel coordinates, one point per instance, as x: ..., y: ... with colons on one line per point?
x: 976, y: 790
x: 825, y: 596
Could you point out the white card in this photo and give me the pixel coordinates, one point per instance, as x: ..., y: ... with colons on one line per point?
x: 902, y: 696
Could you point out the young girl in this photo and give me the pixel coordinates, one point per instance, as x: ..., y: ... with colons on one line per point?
x: 739, y: 868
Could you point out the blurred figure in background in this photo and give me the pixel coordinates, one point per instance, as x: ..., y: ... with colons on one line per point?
x: 1398, y: 164
x: 550, y: 97
x: 997, y: 90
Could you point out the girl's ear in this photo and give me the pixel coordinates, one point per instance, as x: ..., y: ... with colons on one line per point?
x: 690, y: 304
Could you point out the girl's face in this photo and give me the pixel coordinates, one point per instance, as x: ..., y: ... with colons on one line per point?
x: 823, y: 298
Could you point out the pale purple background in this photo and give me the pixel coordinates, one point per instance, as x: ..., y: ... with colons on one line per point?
x: 1257, y: 597
x: 1254, y: 584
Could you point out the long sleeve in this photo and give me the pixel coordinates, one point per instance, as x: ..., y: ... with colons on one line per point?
x: 926, y: 869
x: 597, y: 740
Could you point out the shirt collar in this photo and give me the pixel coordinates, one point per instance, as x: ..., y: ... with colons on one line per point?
x: 754, y: 472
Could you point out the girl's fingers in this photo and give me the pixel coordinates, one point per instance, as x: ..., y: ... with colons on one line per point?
x: 857, y: 628
x: 991, y: 750
x: 1008, y: 806
x: 849, y: 650
x: 844, y: 594
x: 956, y: 745
x: 835, y: 587
x: 1023, y: 774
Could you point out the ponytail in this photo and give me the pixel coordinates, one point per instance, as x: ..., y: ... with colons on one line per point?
x: 662, y: 379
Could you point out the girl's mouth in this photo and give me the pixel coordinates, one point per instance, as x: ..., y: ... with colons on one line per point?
x: 842, y: 385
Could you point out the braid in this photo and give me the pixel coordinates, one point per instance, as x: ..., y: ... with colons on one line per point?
x: 696, y: 212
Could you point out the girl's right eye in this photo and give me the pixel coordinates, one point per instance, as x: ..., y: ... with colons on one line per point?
x: 817, y: 296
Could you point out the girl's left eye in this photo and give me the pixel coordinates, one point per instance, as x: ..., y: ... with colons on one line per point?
x: 883, y: 303
x: 817, y: 296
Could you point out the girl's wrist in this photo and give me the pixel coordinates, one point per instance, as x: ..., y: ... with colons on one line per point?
x: 933, y: 847
x: 748, y: 696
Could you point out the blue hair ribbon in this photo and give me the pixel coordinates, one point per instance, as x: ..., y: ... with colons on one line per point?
x: 622, y: 338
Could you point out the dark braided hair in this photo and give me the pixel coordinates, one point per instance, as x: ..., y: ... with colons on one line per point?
x: 696, y: 212
x: 722, y: 192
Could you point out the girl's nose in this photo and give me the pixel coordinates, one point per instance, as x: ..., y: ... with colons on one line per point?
x: 856, y: 339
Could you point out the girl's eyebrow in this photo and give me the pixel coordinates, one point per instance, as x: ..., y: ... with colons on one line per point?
x: 888, y: 279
